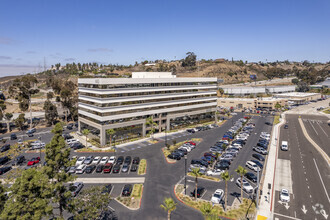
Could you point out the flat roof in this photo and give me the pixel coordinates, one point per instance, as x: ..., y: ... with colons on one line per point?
x: 105, y: 81
x: 297, y: 94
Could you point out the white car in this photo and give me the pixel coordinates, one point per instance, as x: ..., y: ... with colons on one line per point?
x: 217, y: 196
x: 96, y: 160
x: 251, y: 165
x: 185, y: 147
x: 246, y: 185
x: 80, y: 161
x: 285, y: 195
x: 71, y: 141
x: 81, y: 169
x: 104, y: 160
x: 237, y: 145
x: 216, y: 172
x: 112, y: 160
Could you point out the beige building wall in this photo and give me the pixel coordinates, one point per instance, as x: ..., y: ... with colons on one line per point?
x: 241, y: 103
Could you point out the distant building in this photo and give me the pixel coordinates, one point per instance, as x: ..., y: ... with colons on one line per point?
x: 252, y: 103
x: 299, y: 97
x: 248, y: 90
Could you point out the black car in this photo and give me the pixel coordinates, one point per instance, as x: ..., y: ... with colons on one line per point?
x: 128, y: 159
x: 4, y: 160
x: 258, y: 163
x: 5, y: 148
x: 99, y: 168
x: 183, y: 150
x: 127, y: 190
x: 90, y: 169
x: 191, y: 130
x: 77, y: 145
x: 251, y: 177
x: 258, y: 157
x: 134, y: 168
x: 120, y: 160
x: 174, y: 156
x: 222, y: 166
x: 69, y: 126
x: 18, y: 160
x: 286, y: 126
x: 13, y: 137
x: 107, y: 189
x: 200, y: 192
x: 4, y: 170
x: 136, y: 160
x: 116, y: 168
x: 268, y: 123
x: 67, y: 136
x: 29, y: 134
x: 201, y: 162
x: 181, y: 153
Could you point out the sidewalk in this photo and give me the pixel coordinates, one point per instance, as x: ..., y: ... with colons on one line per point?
x: 265, y: 210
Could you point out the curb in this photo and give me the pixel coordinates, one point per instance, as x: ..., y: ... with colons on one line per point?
x: 145, y: 170
x: 206, y: 178
x: 133, y: 209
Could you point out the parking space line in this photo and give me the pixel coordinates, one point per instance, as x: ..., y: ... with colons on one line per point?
x: 321, y: 180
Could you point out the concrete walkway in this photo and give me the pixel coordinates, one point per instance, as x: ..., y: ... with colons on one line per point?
x: 103, y: 180
x: 265, y: 210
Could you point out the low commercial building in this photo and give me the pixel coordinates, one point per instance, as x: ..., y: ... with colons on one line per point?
x: 252, y: 103
x: 248, y: 90
x: 127, y: 104
x: 299, y: 97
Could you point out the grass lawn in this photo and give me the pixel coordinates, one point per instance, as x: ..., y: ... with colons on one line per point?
x: 142, y: 167
x: 276, y: 119
x: 327, y: 111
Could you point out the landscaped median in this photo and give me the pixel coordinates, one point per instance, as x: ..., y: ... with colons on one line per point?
x: 142, y: 167
x: 211, y: 178
x: 132, y: 202
x: 276, y: 119
x: 238, y: 210
x: 89, y: 150
x: 168, y: 150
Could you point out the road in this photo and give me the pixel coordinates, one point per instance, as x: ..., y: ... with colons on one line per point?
x: 304, y: 172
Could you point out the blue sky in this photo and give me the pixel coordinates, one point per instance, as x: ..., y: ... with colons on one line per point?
x: 122, y: 32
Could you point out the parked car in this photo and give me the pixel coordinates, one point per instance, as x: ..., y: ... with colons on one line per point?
x: 4, y: 170
x: 125, y: 168
x: 285, y: 195
x: 90, y: 168
x: 81, y: 169
x: 5, y: 148
x: 72, y: 169
x: 4, y: 160
x: 120, y: 160
x: 96, y: 160
x: 134, y: 167
x: 260, y: 150
x: 258, y: 157
x: 18, y: 160
x: 75, y: 188
x: 127, y: 190
x: 99, y: 168
x: 284, y: 146
x: 246, y: 185
x: 174, y: 156
x: 13, y: 137
x: 88, y: 160
x: 80, y: 161
x: 77, y: 145
x: 258, y: 163
x: 200, y: 192
x: 104, y: 160
x: 251, y: 176
x: 128, y: 160
x: 217, y: 196
x: 112, y: 160
x: 286, y: 126
x: 33, y: 161
x: 252, y: 165
x: 116, y: 168
x: 107, y: 168
x: 190, y: 130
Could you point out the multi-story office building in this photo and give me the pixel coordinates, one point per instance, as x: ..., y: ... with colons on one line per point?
x: 124, y: 104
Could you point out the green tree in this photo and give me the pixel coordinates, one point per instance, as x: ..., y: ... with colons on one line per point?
x: 190, y: 60
x: 226, y: 177
x: 295, y: 81
x: 29, y: 198
x: 20, y: 121
x: 195, y: 172
x: 50, y: 112
x: 241, y: 171
x: 50, y: 95
x: 22, y: 89
x: 221, y: 91
x: 86, y: 133
x: 207, y: 210
x: 169, y: 206
x: 2, y: 108
x: 278, y: 106
x: 3, y: 196
x: 8, y: 117
x: 57, y: 157
x: 151, y: 123
x: 67, y: 97
x: 110, y: 132
x: 92, y: 203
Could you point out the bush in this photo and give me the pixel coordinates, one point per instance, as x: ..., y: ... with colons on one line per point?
x: 142, y: 167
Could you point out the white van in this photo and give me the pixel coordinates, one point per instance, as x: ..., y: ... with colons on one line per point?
x: 284, y: 145
x: 252, y: 165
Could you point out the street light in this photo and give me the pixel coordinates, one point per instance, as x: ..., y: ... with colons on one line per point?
x: 185, y: 174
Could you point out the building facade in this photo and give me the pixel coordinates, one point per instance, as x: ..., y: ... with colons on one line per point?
x: 253, y: 103
x: 125, y: 104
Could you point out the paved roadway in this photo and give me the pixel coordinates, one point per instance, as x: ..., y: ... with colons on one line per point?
x: 307, y: 173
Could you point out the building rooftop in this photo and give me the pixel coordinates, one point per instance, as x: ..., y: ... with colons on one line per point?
x: 153, y: 75
x: 297, y: 94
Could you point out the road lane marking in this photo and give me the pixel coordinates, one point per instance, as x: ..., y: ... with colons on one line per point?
x: 286, y: 216
x: 323, y: 130
x: 314, y: 128
x: 321, y: 180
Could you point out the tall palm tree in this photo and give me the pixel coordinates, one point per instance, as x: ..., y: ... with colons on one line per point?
x: 225, y: 176
x: 110, y: 132
x: 150, y: 122
x: 86, y: 133
x: 217, y: 154
x: 169, y: 206
x: 241, y: 171
x: 195, y: 172
x: 206, y: 209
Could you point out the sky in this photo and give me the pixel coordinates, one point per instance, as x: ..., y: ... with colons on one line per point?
x: 38, y: 32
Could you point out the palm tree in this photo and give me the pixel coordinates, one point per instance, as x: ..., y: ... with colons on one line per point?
x: 207, y: 210
x: 241, y: 171
x: 169, y: 206
x: 195, y: 172
x: 110, y: 132
x: 225, y: 176
x: 86, y: 133
x: 217, y: 154
x: 151, y: 123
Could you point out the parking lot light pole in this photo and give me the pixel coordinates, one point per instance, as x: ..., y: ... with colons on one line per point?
x: 185, y: 174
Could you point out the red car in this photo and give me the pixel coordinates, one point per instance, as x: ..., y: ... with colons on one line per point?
x: 107, y: 168
x: 33, y: 161
x: 191, y: 142
x: 225, y: 138
x: 207, y: 154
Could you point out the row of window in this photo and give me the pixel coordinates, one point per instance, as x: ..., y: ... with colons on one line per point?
x: 142, y: 85
x: 156, y: 101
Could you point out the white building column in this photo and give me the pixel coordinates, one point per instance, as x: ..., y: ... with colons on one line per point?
x: 102, y: 136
